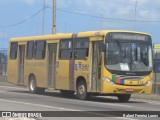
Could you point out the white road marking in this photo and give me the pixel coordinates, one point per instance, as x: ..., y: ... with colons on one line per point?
x: 110, y: 104
x: 14, y: 87
x: 17, y: 119
x: 2, y: 91
x: 153, y: 102
x: 149, y: 101
x: 38, y: 105
x: 125, y: 118
x: 60, y: 108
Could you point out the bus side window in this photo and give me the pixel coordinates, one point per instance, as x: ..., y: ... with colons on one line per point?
x: 40, y: 49
x: 65, y: 49
x: 81, y: 48
x: 30, y: 49
x: 13, y: 50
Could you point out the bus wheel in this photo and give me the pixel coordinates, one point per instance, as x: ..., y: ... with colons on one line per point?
x: 33, y: 87
x: 124, y: 97
x: 32, y: 84
x: 82, y: 90
x: 66, y: 93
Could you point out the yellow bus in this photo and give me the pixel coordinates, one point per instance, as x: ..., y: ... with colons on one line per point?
x: 108, y: 62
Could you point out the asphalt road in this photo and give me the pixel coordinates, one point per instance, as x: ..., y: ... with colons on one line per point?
x: 14, y: 98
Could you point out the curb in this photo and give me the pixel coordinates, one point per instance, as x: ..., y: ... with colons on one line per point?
x: 147, y: 97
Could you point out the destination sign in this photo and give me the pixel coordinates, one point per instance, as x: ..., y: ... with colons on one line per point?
x: 128, y: 36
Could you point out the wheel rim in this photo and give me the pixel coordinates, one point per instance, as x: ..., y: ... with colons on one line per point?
x: 32, y: 85
x: 81, y: 90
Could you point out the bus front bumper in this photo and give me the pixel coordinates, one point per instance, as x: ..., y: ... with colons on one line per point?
x: 124, y: 89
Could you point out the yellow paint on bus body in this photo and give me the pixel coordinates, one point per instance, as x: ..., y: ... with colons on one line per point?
x: 82, y: 68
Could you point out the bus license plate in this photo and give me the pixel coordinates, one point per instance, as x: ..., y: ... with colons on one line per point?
x: 129, y: 90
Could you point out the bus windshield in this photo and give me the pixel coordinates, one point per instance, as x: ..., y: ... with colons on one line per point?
x: 128, y: 55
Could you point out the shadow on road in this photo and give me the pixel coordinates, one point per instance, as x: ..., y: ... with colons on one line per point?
x: 102, y: 99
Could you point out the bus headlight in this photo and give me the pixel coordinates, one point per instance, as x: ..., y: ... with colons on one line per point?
x: 109, y: 81
x: 148, y: 83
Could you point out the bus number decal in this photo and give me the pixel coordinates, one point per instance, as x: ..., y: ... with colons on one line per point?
x: 81, y: 66
x: 37, y: 64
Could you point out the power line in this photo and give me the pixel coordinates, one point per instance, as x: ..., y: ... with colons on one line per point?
x: 77, y: 13
x: 96, y: 10
x: 23, y: 21
x: 107, y: 18
x: 111, y: 10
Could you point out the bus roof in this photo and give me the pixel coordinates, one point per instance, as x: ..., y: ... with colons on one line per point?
x: 70, y: 35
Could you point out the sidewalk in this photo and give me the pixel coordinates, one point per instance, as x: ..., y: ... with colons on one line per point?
x: 147, y: 97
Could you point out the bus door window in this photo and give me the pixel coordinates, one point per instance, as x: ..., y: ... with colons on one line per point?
x: 96, y: 66
x: 21, y: 65
x: 13, y: 51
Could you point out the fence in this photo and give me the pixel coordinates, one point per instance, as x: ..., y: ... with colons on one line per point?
x: 156, y: 70
x: 3, y: 61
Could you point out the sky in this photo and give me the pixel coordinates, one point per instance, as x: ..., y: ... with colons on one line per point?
x: 21, y: 18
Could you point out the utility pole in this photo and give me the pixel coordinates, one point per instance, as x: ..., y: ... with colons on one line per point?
x: 44, y: 6
x: 54, y: 17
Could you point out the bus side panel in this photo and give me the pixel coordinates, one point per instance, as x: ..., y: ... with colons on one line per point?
x: 82, y: 69
x: 41, y: 74
x: 62, y: 72
x: 38, y: 69
x: 36, y: 65
x: 12, y: 69
x: 62, y: 76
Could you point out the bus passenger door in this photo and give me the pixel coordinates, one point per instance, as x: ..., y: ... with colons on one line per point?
x: 52, y: 51
x: 21, y: 55
x: 65, y: 65
x: 96, y: 66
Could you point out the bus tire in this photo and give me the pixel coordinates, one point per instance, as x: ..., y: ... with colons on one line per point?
x: 33, y: 87
x: 124, y: 97
x: 66, y: 93
x: 82, y: 90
